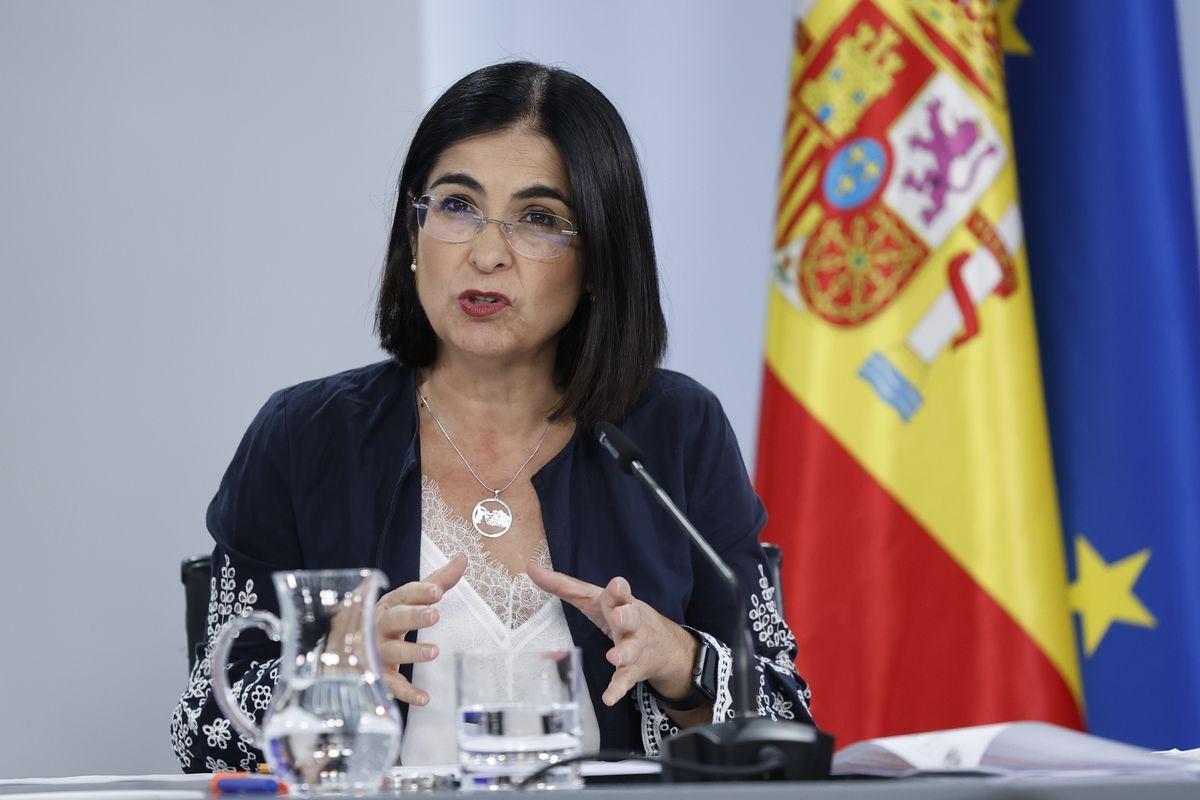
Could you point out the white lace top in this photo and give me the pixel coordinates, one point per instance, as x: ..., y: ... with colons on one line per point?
x: 490, y: 609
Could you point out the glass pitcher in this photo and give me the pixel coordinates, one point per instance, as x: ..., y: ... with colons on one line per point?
x: 330, y: 727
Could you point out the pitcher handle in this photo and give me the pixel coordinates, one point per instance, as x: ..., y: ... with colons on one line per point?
x: 222, y: 692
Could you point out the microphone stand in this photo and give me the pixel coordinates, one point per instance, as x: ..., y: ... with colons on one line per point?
x: 799, y: 750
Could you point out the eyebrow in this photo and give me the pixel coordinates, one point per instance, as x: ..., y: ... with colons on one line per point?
x: 528, y: 193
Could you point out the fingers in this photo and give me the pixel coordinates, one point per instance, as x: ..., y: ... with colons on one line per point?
x: 612, y: 608
x: 404, y: 691
x: 409, y: 608
x: 627, y: 651
x: 399, y: 620
x: 562, y: 586
x: 581, y: 594
x: 446, y: 577
x: 394, y: 652
x: 625, y: 620
x: 430, y: 590
x: 616, y: 602
x: 619, y: 588
x: 623, y: 680
x: 412, y: 593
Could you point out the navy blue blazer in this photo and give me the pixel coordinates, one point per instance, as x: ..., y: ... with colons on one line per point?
x: 328, y: 476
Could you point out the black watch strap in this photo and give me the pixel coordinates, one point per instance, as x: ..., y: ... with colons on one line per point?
x: 704, y: 679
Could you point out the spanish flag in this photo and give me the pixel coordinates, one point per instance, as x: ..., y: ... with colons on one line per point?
x: 903, y: 452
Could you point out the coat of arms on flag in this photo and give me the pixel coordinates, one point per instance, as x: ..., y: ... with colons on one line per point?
x: 895, y: 155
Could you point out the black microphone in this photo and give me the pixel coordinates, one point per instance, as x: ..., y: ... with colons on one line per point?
x: 619, y: 446
x: 630, y: 458
x: 799, y: 750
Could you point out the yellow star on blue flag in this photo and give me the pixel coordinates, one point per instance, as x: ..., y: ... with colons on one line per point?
x: 1103, y: 593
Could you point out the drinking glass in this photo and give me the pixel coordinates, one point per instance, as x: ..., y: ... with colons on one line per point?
x: 517, y: 713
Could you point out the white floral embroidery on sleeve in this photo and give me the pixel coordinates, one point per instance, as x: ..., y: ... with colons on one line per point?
x: 773, y: 636
x: 767, y: 621
x: 217, y: 733
x: 215, y: 740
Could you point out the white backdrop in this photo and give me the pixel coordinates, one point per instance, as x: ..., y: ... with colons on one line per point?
x: 194, y: 204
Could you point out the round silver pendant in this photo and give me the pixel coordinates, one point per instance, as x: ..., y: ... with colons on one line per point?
x: 492, y: 517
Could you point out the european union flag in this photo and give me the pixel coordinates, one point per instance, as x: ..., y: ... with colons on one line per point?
x: 1102, y: 157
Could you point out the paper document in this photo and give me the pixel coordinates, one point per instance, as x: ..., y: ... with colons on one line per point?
x: 1013, y: 748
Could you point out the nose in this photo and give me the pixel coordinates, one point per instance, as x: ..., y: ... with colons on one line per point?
x: 489, y: 248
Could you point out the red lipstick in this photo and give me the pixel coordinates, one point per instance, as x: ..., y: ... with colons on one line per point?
x: 482, y: 304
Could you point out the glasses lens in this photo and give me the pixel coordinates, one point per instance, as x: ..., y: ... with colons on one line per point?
x: 450, y: 219
x: 541, y: 236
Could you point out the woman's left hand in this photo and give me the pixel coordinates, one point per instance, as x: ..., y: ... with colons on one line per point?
x: 646, y: 645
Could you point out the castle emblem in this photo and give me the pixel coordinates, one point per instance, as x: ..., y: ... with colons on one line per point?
x: 860, y: 72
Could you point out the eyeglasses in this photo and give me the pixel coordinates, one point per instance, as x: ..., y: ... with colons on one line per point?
x: 538, y: 235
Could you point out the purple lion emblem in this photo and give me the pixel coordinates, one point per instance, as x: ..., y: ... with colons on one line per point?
x: 946, y: 149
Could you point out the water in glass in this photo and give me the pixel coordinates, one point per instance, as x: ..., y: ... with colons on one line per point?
x: 518, y: 713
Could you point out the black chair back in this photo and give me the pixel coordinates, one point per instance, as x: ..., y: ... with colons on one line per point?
x: 775, y: 573
x: 196, y: 574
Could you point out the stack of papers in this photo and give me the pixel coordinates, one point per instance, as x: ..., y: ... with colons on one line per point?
x: 1014, y: 748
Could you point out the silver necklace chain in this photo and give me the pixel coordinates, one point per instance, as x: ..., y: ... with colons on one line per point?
x: 520, y: 469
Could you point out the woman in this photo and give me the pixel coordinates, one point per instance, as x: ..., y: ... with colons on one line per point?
x: 520, y: 305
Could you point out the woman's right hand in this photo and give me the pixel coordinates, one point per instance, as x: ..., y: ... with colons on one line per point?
x: 405, y: 609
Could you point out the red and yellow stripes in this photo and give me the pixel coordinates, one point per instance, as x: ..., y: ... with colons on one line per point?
x: 804, y: 153
x: 894, y: 635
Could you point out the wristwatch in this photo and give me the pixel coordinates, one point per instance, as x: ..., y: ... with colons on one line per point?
x: 704, y: 679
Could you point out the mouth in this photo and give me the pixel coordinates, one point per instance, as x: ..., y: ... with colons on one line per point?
x: 482, y: 304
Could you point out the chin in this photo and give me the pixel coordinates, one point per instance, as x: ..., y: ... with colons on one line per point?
x: 484, y: 342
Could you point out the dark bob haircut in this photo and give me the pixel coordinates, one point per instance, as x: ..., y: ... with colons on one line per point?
x: 610, y: 347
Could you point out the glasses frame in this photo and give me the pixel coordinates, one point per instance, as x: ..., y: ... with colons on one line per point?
x: 506, y: 225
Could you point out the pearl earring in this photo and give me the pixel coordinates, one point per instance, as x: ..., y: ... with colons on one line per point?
x: 414, y: 265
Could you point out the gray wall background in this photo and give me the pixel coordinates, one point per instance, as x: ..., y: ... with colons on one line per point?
x: 194, y: 202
